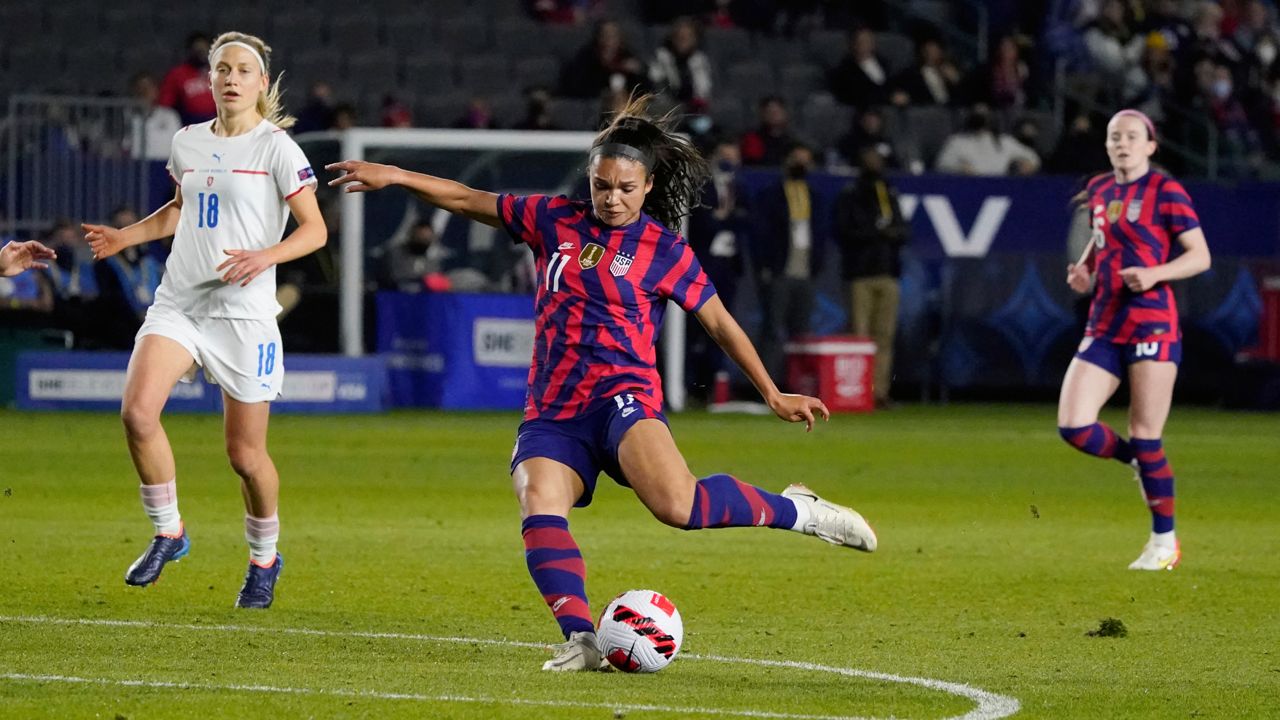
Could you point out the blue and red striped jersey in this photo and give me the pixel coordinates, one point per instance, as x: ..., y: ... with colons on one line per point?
x: 601, y: 295
x: 1134, y: 225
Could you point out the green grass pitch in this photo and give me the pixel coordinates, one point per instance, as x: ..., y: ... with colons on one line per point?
x: 1000, y: 548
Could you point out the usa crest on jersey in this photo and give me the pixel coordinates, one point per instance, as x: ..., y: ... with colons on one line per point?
x: 1135, y: 210
x: 621, y: 264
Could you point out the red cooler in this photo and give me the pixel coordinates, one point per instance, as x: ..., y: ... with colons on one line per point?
x: 836, y: 369
x: 1269, y: 338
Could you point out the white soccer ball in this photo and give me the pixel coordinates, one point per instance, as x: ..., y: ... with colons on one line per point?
x: 640, y: 631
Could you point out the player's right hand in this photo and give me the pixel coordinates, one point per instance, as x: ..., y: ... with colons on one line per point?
x: 103, y: 240
x: 361, y: 176
x: 1078, y: 277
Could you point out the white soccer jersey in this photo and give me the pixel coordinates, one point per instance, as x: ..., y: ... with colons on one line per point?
x: 234, y: 197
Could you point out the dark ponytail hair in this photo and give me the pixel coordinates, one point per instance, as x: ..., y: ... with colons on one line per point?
x: 677, y: 168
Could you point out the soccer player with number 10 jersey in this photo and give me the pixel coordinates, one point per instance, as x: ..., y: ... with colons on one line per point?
x: 1138, y: 213
x: 606, y: 269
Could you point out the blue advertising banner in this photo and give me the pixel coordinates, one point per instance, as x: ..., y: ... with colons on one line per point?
x: 456, y: 350
x: 95, y: 381
x: 972, y: 217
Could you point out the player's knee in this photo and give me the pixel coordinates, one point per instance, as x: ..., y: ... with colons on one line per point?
x: 671, y: 508
x: 245, y: 459
x: 139, y: 423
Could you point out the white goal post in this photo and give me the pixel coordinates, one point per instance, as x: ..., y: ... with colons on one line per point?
x: 356, y: 143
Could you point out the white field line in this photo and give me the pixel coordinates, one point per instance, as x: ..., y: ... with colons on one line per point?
x: 989, y: 706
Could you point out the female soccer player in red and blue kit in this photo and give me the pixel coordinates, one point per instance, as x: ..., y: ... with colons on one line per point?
x: 605, y: 271
x: 1137, y: 214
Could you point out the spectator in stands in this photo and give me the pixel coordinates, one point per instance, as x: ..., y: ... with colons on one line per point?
x: 772, y: 139
x: 787, y: 252
x: 871, y: 232
x: 680, y: 68
x: 153, y: 125
x: 933, y: 80
x: 537, y: 111
x: 21, y: 290
x: 344, y: 116
x: 1240, y: 139
x: 72, y: 273
x: 868, y: 130
x: 1080, y: 149
x: 1001, y: 82
x: 127, y: 283
x: 186, y: 86
x: 1257, y: 41
x: 1158, y: 79
x: 395, y: 114
x: 716, y: 228
x: 1206, y: 44
x: 1165, y: 18
x: 1115, y: 50
x: 860, y: 78
x: 477, y: 116
x: 563, y: 12
x: 981, y: 149
x: 317, y: 114
x: 603, y: 64
x: 414, y: 265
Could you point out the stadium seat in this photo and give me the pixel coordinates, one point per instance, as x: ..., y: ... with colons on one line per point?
x: 570, y: 114
x: 298, y: 29
x: 75, y: 24
x: 309, y: 66
x: 408, y: 33
x: 726, y: 46
x: 799, y: 80
x: 355, y: 33
x: 126, y: 24
x: 751, y: 79
x: 730, y: 114
x: 252, y: 19
x: 507, y: 109
x: 518, y: 36
x: 149, y: 57
x: 428, y: 72
x: 176, y: 21
x: 463, y: 34
x: 779, y: 51
x: 93, y: 70
x: 379, y: 66
x: 896, y: 50
x: 485, y: 74
x: 564, y: 40
x: 439, y: 111
x: 823, y: 120
x: 536, y: 70
x: 929, y: 127
x: 828, y: 46
x: 1048, y: 137
x: 936, y: 12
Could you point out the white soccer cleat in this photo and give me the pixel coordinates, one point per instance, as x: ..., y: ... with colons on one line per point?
x: 580, y: 652
x: 1158, y: 557
x: 834, y: 523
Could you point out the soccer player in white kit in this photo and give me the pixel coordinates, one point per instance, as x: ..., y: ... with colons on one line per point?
x: 238, y: 177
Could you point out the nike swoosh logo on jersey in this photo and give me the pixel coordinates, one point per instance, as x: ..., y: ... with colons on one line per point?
x: 628, y: 411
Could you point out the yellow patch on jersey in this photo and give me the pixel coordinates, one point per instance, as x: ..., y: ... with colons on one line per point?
x: 1114, y: 208
x: 590, y: 256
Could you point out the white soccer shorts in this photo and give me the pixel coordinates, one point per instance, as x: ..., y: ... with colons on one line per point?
x: 244, y: 357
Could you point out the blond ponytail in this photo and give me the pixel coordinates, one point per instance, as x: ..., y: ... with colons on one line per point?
x: 270, y: 106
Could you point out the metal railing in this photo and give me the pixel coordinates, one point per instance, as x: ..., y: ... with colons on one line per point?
x: 71, y: 157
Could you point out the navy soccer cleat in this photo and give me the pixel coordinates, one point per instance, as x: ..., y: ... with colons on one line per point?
x: 163, y: 548
x: 260, y: 585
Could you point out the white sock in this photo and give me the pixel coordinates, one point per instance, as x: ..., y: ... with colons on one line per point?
x: 803, y: 515
x: 1166, y: 540
x: 262, y: 534
x: 160, y: 502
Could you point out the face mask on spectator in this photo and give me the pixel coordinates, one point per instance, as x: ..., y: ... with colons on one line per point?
x: 1221, y: 89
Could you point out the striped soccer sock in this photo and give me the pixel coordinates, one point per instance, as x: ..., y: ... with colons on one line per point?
x: 160, y: 502
x: 725, y: 501
x: 556, y: 566
x: 1157, y: 482
x: 1098, y: 440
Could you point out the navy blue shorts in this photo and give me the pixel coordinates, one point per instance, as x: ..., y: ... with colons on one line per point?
x: 1115, y: 357
x: 587, y: 443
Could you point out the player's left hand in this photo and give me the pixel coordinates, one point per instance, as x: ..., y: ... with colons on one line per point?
x: 243, y: 266
x: 794, y: 408
x: 1139, y: 279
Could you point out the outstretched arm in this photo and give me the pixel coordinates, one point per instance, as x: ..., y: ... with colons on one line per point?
x: 106, y: 241
x: 361, y: 176
x: 731, y: 338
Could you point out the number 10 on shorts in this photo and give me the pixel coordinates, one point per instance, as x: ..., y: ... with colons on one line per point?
x: 266, y: 358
